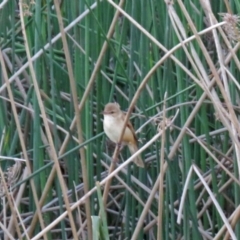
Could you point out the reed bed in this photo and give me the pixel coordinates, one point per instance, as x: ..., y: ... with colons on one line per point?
x: 173, y: 66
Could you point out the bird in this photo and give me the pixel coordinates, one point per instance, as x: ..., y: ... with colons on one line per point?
x: 113, y: 124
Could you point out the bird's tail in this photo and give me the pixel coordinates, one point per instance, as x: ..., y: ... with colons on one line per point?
x: 138, y: 160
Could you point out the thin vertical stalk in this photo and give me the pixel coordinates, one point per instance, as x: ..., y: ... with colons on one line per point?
x: 161, y: 170
x: 79, y: 130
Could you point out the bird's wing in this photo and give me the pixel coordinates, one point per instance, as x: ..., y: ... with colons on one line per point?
x: 130, y: 126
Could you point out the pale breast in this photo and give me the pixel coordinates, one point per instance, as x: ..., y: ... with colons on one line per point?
x: 111, y: 128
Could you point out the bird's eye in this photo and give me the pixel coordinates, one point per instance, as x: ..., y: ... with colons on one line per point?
x: 112, y: 112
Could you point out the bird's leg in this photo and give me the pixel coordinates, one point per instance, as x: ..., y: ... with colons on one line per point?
x: 120, y: 146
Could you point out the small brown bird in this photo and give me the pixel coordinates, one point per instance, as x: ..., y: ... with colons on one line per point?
x: 113, y: 125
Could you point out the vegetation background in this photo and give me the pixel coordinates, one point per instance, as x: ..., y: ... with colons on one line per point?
x: 173, y: 66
